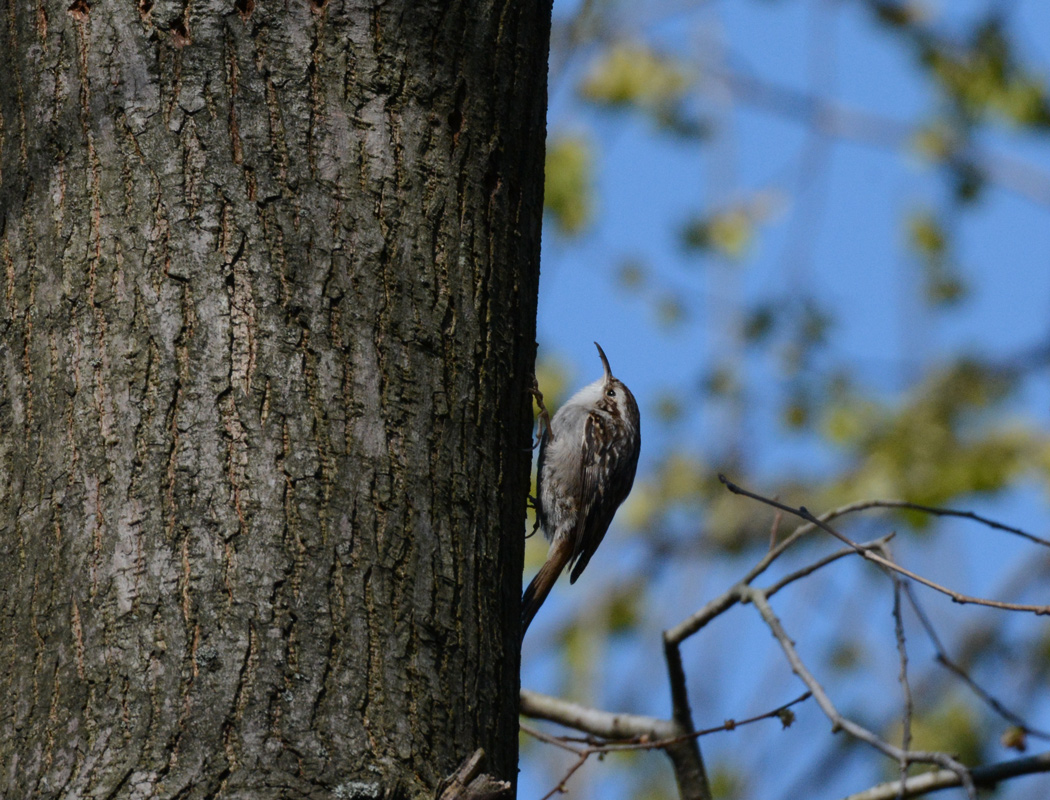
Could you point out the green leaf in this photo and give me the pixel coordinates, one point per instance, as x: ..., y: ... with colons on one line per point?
x: 939, y: 445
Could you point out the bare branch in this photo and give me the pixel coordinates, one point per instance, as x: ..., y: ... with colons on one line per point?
x: 864, y: 505
x: 694, y: 622
x: 952, y: 512
x: 838, y: 722
x: 774, y: 529
x: 630, y: 731
x: 678, y: 737
x: 697, y: 620
x: 689, y: 771
x: 945, y: 661
x: 902, y: 653
x: 557, y: 741
x: 635, y: 733
x: 823, y: 562
x: 988, y: 775
x: 606, y: 724
x: 803, y: 513
x: 470, y: 783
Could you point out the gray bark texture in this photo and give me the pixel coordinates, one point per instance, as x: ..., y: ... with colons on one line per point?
x: 268, y: 277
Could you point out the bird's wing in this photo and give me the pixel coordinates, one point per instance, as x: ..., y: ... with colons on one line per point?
x: 606, y: 475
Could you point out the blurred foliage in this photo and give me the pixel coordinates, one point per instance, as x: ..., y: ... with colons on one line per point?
x: 651, y: 791
x: 1014, y: 738
x: 944, y: 442
x: 950, y: 727
x: 567, y: 194
x: 939, y: 445
x: 668, y: 408
x: 727, y: 783
x: 950, y: 431
x: 847, y: 656
x: 670, y: 311
x: 901, y: 15
x: 929, y: 240
x: 623, y: 607
x: 938, y: 140
x: 982, y: 77
x: 730, y: 232
x: 628, y: 75
x: 632, y: 274
x: 552, y: 377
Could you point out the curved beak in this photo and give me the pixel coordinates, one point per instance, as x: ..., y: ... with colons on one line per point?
x: 605, y: 361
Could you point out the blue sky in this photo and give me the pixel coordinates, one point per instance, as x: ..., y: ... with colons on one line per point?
x: 647, y: 185
x: 837, y: 233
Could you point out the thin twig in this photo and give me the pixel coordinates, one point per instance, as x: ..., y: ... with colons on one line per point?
x: 630, y: 726
x: 635, y: 740
x: 952, y: 512
x: 803, y: 513
x: 581, y: 753
x: 838, y: 722
x: 809, y: 569
x: 774, y: 529
x: 557, y: 741
x: 943, y: 659
x: 697, y: 620
x: 902, y: 653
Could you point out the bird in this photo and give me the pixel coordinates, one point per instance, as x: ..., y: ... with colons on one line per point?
x: 586, y: 466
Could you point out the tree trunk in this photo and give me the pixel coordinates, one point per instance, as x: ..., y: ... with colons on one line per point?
x: 269, y: 288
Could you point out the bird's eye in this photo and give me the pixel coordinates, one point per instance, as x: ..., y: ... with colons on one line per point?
x: 611, y: 393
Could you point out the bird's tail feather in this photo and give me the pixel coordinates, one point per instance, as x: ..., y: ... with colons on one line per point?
x: 542, y: 584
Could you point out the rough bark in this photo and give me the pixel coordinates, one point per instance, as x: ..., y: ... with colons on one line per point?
x: 269, y: 282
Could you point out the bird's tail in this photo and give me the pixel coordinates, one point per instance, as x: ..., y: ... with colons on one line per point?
x: 541, y: 585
